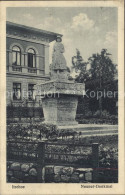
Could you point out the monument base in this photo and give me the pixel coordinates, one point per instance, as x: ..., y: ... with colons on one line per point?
x: 60, y: 110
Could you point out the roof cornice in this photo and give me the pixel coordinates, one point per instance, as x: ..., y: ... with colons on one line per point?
x: 35, y: 30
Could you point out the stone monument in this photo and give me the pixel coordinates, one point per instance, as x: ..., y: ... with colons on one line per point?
x: 59, y: 95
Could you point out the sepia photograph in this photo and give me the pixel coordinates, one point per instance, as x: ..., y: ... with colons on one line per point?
x: 63, y: 97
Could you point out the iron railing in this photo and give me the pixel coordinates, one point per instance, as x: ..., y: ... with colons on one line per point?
x: 58, y: 154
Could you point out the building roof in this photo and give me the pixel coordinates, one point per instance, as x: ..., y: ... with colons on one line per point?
x: 52, y: 36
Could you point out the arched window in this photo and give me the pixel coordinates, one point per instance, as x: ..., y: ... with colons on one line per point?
x: 31, y: 58
x: 16, y: 52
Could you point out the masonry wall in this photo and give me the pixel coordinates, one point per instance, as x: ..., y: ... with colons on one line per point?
x: 18, y: 172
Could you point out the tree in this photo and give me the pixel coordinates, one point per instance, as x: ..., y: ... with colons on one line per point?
x: 100, y: 76
x: 102, y: 69
x: 103, y: 72
x: 80, y: 66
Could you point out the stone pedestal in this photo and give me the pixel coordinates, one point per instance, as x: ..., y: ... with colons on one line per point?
x: 60, y: 110
x: 59, y: 101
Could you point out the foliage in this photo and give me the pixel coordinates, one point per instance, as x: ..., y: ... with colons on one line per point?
x: 96, y: 120
x: 89, y: 113
x: 108, y: 149
x: 108, y: 157
x: 30, y: 131
x: 99, y: 78
x: 108, y: 163
x: 80, y: 66
x: 105, y: 114
x: 102, y: 67
x: 37, y: 131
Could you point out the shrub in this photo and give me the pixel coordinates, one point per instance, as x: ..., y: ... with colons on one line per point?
x: 105, y: 113
x: 31, y: 131
x: 97, y: 113
x: 88, y: 114
x: 64, y: 133
x: 108, y: 157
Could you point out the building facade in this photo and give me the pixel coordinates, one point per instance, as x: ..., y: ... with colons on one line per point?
x: 27, y: 61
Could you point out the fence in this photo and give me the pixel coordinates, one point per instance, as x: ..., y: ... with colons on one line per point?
x: 58, y: 154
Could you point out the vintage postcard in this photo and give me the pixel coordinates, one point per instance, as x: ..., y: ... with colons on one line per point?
x: 62, y: 97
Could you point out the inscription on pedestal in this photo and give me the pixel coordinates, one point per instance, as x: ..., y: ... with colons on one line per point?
x: 60, y: 111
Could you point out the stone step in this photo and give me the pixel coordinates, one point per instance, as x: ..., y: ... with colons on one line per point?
x: 98, y: 131
x: 89, y: 127
x: 103, y: 134
x: 92, y: 129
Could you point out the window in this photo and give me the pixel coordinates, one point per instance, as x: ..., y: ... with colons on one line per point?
x: 16, y: 91
x: 31, y: 58
x: 16, y: 60
x: 31, y: 92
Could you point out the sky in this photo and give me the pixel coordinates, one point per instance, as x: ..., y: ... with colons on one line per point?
x: 88, y: 29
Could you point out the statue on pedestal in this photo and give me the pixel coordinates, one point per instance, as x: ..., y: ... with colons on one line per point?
x: 59, y: 67
x: 59, y: 94
x: 58, y: 60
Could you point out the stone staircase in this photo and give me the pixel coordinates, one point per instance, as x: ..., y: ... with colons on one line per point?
x: 93, y: 129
